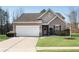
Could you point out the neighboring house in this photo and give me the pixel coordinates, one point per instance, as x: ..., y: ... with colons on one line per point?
x: 38, y: 24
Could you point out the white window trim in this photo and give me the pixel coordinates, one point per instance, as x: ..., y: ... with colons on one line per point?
x: 57, y: 25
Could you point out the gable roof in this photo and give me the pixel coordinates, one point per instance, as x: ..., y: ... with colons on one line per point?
x: 27, y: 17
x: 56, y: 15
x: 60, y: 15
x: 55, y: 18
x: 49, y: 10
x: 34, y: 17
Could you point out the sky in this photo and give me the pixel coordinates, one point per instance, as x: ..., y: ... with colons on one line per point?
x: 64, y: 10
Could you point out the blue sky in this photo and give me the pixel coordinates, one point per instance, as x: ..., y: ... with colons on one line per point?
x: 64, y: 10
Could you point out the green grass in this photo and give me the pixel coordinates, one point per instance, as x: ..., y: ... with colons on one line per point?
x: 3, y: 37
x: 64, y: 50
x: 51, y: 41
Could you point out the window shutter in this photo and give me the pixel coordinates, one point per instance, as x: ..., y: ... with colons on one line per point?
x: 60, y: 27
x: 54, y: 28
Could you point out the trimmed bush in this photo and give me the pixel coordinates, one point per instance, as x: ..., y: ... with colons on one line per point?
x: 65, y: 32
x: 11, y: 34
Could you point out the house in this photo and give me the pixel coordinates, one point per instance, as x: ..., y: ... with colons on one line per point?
x: 38, y: 24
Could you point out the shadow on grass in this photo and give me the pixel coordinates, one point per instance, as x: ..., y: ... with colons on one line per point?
x: 75, y: 35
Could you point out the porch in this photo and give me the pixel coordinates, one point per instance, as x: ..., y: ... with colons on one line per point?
x: 56, y: 30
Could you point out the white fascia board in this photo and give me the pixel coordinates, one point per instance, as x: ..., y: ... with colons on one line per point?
x: 59, y: 17
x: 42, y: 15
x: 27, y: 22
x: 52, y: 19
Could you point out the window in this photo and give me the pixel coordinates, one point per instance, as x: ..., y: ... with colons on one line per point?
x: 57, y: 27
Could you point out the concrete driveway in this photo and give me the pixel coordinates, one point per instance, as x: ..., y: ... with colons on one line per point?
x: 19, y: 44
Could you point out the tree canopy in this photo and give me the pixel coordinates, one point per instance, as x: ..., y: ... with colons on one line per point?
x: 43, y: 11
x: 4, y: 20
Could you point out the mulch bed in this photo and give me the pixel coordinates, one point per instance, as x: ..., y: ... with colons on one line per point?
x: 69, y: 38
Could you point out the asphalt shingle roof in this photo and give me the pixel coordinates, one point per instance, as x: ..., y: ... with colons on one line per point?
x: 32, y: 17
x: 26, y: 17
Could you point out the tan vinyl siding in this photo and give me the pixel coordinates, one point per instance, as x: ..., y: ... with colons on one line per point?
x: 47, y: 17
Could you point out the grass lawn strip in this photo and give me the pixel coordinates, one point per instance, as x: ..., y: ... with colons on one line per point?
x: 3, y: 37
x: 58, y: 41
x: 62, y: 50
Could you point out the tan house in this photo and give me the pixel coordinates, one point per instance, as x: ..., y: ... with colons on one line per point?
x: 38, y: 24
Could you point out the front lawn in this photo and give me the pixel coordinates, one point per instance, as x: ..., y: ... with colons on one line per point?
x: 51, y: 41
x: 64, y: 50
x: 3, y: 37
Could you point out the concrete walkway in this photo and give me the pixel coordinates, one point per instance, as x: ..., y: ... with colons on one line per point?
x: 53, y: 48
x: 19, y: 44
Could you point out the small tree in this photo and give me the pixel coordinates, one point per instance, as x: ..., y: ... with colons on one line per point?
x: 73, y: 20
x: 17, y: 13
x: 3, y: 18
x: 7, y: 21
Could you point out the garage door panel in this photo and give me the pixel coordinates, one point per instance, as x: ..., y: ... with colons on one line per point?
x: 27, y: 30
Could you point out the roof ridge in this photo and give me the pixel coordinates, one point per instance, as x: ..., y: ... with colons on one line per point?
x: 31, y: 13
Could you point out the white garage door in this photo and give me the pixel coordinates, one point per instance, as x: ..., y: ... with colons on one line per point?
x: 27, y: 30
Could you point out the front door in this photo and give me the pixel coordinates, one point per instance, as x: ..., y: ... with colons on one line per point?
x: 45, y: 29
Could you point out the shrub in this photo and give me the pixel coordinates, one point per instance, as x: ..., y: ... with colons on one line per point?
x: 57, y: 32
x: 62, y: 33
x: 11, y: 34
x: 65, y: 32
x: 51, y: 31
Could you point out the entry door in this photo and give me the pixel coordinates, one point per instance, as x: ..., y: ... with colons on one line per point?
x: 45, y: 29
